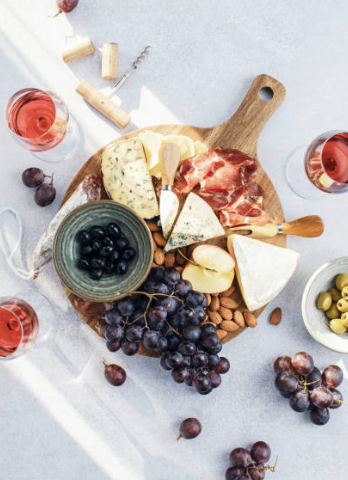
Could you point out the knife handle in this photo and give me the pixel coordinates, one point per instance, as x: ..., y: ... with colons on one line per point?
x: 170, y: 158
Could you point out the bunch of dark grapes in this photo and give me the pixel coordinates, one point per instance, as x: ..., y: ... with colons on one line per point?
x: 169, y: 318
x: 249, y: 464
x: 307, y: 388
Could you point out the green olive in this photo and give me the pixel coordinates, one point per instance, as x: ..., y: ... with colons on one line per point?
x: 324, y: 301
x: 344, y: 319
x: 341, y: 281
x: 335, y: 294
x: 333, y: 312
x: 344, y: 292
x: 337, y: 326
x: 342, y: 305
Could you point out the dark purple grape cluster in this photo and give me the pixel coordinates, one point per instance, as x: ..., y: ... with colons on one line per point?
x: 168, y: 319
x: 308, y: 388
x: 45, y: 192
x: 249, y: 464
x: 104, y: 251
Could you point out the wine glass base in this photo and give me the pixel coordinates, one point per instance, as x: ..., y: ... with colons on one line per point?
x: 67, y: 148
x: 296, y: 176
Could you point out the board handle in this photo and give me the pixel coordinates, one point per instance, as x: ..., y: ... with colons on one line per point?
x: 242, y: 131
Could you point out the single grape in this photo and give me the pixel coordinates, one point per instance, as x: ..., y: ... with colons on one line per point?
x: 113, y: 346
x: 299, y: 401
x: 321, y: 397
x: 210, y: 341
x: 286, y: 382
x: 160, y: 287
x: 150, y: 339
x: 257, y: 473
x: 125, y: 307
x: 205, y: 302
x: 232, y: 473
x: 314, y: 379
x: 332, y: 376
x: 170, y: 304
x: 193, y: 299
x: 320, y: 416
x: 156, y: 274
x: 215, y: 379
x: 183, y: 287
x: 206, y: 392
x: 163, y: 362
x: 191, y: 333
x: 174, y: 359
x: 114, y: 333
x: 66, y: 6
x: 190, y: 428
x: 215, y: 349
x: 260, y: 452
x: 115, y: 374
x: 302, y: 363
x: 337, y: 398
x: 213, y: 360
x: 207, y: 329
x: 189, y: 378
x: 161, y: 345
x: 185, y: 314
x: 113, y: 230
x: 173, y: 341
x: 223, y: 366
x: 128, y: 254
x: 199, y: 359
x: 97, y: 232
x: 198, y: 315
x: 156, y: 317
x: 283, y: 364
x: 187, y: 348
x: 33, y: 177
x: 180, y: 374
x: 201, y: 382
x: 134, y: 333
x: 171, y: 276
x: 129, y: 348
x: 240, y: 457
x: 45, y: 194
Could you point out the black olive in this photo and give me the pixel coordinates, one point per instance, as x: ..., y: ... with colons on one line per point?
x: 97, y: 273
x: 84, y: 237
x: 97, y: 245
x: 86, y: 250
x: 108, y: 241
x: 128, y: 253
x: 106, y: 251
x: 122, y: 243
x: 97, y: 232
x: 98, y: 262
x: 114, y: 230
x: 109, y: 266
x: 84, y: 263
x: 115, y: 255
x: 121, y: 267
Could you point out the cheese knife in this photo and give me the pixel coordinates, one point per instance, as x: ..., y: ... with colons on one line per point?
x: 169, y: 202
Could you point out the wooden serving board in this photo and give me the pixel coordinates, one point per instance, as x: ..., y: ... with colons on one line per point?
x: 240, y: 132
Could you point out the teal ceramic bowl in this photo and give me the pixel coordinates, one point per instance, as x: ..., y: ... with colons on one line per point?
x: 66, y: 251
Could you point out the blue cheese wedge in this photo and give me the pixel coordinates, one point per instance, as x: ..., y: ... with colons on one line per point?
x: 262, y: 269
x: 127, y: 179
x: 197, y: 222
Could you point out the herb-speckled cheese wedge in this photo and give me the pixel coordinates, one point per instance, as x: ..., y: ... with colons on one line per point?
x: 127, y: 179
x: 197, y: 222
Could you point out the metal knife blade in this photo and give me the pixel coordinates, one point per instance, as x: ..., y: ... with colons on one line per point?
x: 169, y: 202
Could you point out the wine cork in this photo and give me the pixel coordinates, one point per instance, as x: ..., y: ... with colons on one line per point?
x: 103, y: 104
x: 77, y: 49
x: 109, y: 61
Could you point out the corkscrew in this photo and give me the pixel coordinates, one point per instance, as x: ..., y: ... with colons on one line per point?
x: 136, y: 64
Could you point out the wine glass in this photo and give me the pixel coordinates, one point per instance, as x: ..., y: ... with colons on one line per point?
x: 40, y: 122
x: 325, y: 165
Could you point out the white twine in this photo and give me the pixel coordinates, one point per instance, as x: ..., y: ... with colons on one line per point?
x: 24, y: 274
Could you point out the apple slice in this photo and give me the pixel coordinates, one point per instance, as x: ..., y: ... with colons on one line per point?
x: 207, y: 281
x: 213, y: 257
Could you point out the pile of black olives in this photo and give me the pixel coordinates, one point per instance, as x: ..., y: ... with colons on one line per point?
x: 104, y: 251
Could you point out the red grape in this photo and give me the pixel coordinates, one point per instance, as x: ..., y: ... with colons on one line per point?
x: 113, y: 346
x: 232, y: 473
x: 240, y: 457
x: 129, y: 348
x: 283, y: 364
x: 45, y: 194
x: 115, y: 374
x: 201, y: 382
x: 257, y: 473
x: 215, y: 379
x: 67, y: 6
x: 260, y: 452
x: 320, y: 416
x: 332, y: 376
x: 33, y: 177
x: 180, y: 374
x: 303, y: 363
x: 321, y: 397
x: 223, y: 366
x: 190, y: 428
x: 286, y: 382
x: 337, y: 398
x: 314, y: 379
x: 299, y: 401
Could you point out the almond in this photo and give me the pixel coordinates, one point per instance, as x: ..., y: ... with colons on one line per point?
x: 208, y: 299
x: 276, y: 316
x: 250, y: 319
x: 229, y: 326
x: 226, y: 313
x: 228, y: 292
x: 154, y: 265
x: 228, y: 302
x: 159, y: 257
x: 158, y: 237
x: 153, y: 226
x: 215, y: 317
x: 221, y: 333
x: 180, y: 260
x: 215, y: 304
x: 239, y: 319
x: 169, y: 260
x: 179, y: 268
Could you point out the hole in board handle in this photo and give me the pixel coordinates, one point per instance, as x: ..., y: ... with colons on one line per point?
x: 266, y: 94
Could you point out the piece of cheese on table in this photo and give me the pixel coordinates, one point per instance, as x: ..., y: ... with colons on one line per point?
x: 127, y: 179
x: 197, y: 222
x: 200, y: 147
x: 262, y: 269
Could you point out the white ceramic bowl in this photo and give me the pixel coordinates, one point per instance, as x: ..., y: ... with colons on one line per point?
x: 315, y: 320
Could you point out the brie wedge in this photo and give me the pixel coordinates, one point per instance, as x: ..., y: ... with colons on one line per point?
x: 262, y: 269
x: 197, y: 222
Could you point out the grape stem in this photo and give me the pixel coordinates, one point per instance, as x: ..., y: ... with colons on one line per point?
x: 263, y: 468
x: 195, y: 263
x: 56, y: 14
x: 179, y: 437
x: 173, y: 329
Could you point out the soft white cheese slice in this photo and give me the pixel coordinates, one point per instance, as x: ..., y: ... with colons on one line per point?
x: 127, y: 179
x: 197, y: 222
x: 263, y: 270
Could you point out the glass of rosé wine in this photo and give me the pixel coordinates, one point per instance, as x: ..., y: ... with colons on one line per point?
x: 325, y: 165
x: 40, y: 122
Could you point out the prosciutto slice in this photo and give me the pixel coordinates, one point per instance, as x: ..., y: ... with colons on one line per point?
x: 223, y: 179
